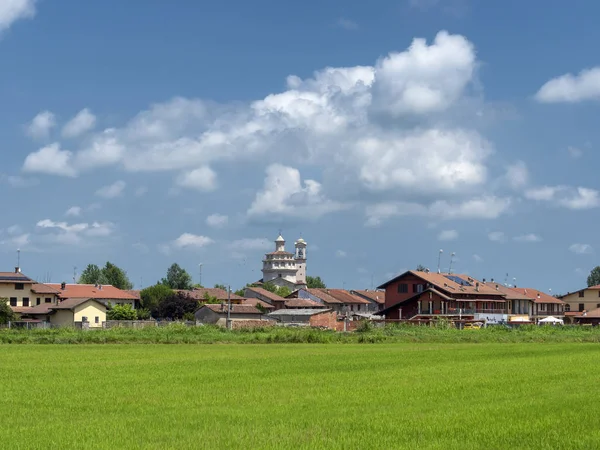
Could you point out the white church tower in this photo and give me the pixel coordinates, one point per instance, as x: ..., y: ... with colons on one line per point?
x: 283, y: 268
x: 301, y: 262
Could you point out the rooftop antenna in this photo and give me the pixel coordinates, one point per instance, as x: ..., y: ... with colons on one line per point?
x: 452, y: 255
x: 439, y: 259
x: 18, y: 258
x: 371, y: 281
x: 74, y: 274
x: 514, y: 282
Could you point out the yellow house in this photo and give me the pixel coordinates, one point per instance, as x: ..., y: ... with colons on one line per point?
x: 587, y: 299
x: 22, y: 292
x: 88, y: 313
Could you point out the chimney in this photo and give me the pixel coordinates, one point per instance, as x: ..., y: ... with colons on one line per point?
x: 99, y: 287
x: 477, y: 287
x: 222, y: 306
x: 63, y: 286
x: 484, y: 281
x: 17, y: 269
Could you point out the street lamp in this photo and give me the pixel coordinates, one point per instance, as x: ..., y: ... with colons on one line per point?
x: 200, y: 270
x: 440, y: 258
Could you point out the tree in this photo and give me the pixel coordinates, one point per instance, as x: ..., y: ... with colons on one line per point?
x: 594, y: 278
x: 269, y: 287
x: 177, y: 278
x: 152, y: 296
x: 109, y: 274
x: 176, y: 306
x: 121, y: 312
x: 221, y: 286
x: 421, y: 268
x: 283, y: 291
x: 6, y: 312
x: 210, y: 299
x: 143, y: 314
x: 315, y: 282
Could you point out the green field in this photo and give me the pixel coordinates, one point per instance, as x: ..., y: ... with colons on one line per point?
x: 300, y: 396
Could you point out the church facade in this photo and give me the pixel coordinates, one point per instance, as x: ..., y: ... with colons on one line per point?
x: 283, y: 268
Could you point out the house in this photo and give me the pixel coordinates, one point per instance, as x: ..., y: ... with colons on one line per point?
x: 258, y: 304
x: 21, y: 291
x: 541, y: 305
x: 588, y: 318
x: 283, y: 268
x: 376, y: 298
x: 264, y: 295
x: 83, y: 312
x: 319, y: 297
x: 325, y: 318
x: 349, y: 302
x: 106, y: 294
x: 217, y: 314
x: 302, y: 303
x: 201, y: 294
x: 586, y: 299
x: 425, y: 295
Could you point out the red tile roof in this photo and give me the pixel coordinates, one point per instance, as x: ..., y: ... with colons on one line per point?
x: 449, y: 283
x: 538, y: 296
x: 235, y: 309
x: 255, y: 302
x: 267, y: 294
x: 302, y: 303
x: 323, y: 295
x: 86, y: 291
x: 39, y: 288
x: 374, y: 296
x: 72, y: 303
x: 346, y: 297
x: 593, y: 314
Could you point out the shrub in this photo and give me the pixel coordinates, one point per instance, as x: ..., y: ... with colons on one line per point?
x: 121, y: 312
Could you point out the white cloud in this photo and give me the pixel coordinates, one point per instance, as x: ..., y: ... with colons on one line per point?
x: 217, y: 220
x: 13, y: 10
x: 488, y: 207
x: 83, y: 122
x: 347, y: 24
x: 497, y: 236
x: 575, y: 152
x: 477, y: 258
x: 581, y: 249
x: 188, y: 240
x: 250, y: 244
x: 284, y: 194
x: 571, y: 88
x: 517, y: 175
x: 565, y: 196
x: 340, y: 254
x: 528, y: 238
x: 73, y: 234
x: 16, y: 181
x: 73, y: 211
x: 448, y: 235
x: 202, y: 179
x: 50, y: 160
x: 112, y: 190
x: 40, y: 126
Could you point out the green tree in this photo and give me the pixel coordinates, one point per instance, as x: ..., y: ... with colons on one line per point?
x: 121, y: 312
x: 6, y: 312
x: 177, y: 278
x: 283, y: 291
x: 594, y: 278
x: 421, y: 268
x: 176, y: 306
x: 143, y: 314
x: 153, y: 295
x: 241, y: 292
x: 109, y: 274
x: 210, y: 299
x: 315, y: 282
x: 269, y: 287
x: 221, y: 286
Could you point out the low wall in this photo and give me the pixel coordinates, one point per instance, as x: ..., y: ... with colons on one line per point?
x: 237, y: 324
x: 130, y: 323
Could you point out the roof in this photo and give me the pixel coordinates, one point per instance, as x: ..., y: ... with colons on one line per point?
x: 86, y: 291
x: 374, y: 296
x: 411, y: 298
x: 589, y: 288
x: 200, y: 294
x: 14, y: 277
x: 72, y: 303
x: 511, y: 293
x: 538, y: 296
x: 302, y: 303
x: 255, y: 302
x: 451, y: 283
x: 279, y: 252
x: 347, y: 297
x: 593, y: 314
x: 298, y: 312
x: 134, y: 293
x: 235, y: 309
x: 268, y: 294
x: 43, y: 309
x: 39, y: 288
x: 280, y: 239
x: 323, y: 295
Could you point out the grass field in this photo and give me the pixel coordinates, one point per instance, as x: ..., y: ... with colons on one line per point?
x: 385, y: 396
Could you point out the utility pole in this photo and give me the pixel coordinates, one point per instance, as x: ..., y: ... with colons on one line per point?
x: 74, y: 274
x: 18, y: 258
x: 228, y: 307
x: 200, y: 273
x: 440, y: 259
x: 451, y: 261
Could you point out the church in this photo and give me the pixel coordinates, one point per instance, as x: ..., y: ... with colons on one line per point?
x: 283, y: 268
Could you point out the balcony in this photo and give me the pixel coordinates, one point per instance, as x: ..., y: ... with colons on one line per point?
x: 462, y: 311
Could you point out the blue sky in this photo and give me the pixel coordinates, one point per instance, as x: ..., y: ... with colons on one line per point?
x: 147, y: 133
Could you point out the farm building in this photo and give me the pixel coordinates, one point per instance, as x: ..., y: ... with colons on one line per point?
x: 217, y: 314
x: 326, y: 318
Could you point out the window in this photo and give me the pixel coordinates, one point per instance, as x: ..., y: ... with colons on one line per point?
x: 25, y: 301
x: 414, y: 288
x: 13, y: 301
x: 48, y: 300
x: 581, y: 294
x: 84, y: 319
x: 402, y: 288
x: 19, y: 286
x: 279, y: 275
x: 419, y: 288
x: 581, y: 307
x: 38, y: 301
x: 567, y: 307
x: 97, y: 319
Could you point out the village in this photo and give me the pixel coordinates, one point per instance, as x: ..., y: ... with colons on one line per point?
x: 416, y: 297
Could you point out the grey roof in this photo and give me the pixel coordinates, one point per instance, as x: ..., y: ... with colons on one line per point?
x: 298, y: 312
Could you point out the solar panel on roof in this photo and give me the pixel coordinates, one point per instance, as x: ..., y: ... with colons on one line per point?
x: 458, y: 280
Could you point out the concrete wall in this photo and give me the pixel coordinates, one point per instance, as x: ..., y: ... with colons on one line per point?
x: 327, y: 320
x: 62, y: 318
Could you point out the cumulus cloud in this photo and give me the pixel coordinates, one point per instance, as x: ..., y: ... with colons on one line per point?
x: 72, y: 234
x: 189, y: 240
x: 284, y: 194
x: 217, y: 220
x: 448, y: 235
x: 570, y: 88
x: 527, y: 238
x: 565, y: 196
x: 73, y: 211
x: 13, y: 10
x: 112, y: 190
x: 83, y: 122
x: 517, y: 175
x: 50, y: 160
x: 202, y: 179
x: 581, y: 249
x: 40, y: 126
